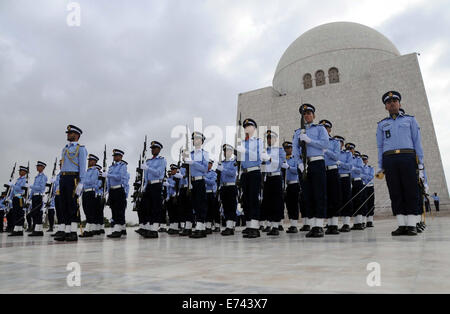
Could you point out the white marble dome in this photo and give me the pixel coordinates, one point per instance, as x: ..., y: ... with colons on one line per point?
x: 349, y: 47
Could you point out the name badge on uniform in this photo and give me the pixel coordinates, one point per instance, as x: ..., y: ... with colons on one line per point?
x: 388, y: 133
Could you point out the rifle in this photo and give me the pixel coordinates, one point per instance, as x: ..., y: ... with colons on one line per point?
x: 188, y: 167
x: 219, y: 175
x: 9, y: 188
x: 238, y: 161
x: 302, y: 143
x: 139, y: 181
x: 49, y: 193
x: 177, y: 181
x: 103, y: 179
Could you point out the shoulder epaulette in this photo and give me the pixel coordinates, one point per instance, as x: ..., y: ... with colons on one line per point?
x: 408, y: 115
x: 384, y: 119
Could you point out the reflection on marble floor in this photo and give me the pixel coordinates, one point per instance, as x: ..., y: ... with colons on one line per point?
x: 285, y: 264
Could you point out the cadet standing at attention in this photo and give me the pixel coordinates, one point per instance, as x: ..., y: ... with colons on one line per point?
x: 316, y: 139
x: 292, y: 189
x: 37, y: 193
x: 88, y: 198
x: 399, y: 142
x: 73, y: 171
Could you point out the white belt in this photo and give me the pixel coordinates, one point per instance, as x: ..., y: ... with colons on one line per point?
x: 229, y: 183
x: 18, y: 195
x: 197, y: 178
x: 251, y: 169
x: 357, y: 179
x: 155, y: 181
x: 292, y: 182
x: 332, y: 167
x: 273, y: 174
x: 345, y: 175
x: 38, y: 194
x: 316, y: 158
x: 89, y: 190
x: 209, y: 191
x: 115, y: 187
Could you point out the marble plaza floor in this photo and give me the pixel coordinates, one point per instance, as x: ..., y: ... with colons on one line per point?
x: 285, y: 264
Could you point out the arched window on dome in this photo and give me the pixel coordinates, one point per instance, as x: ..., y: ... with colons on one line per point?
x: 320, y: 78
x: 307, y: 81
x: 333, y: 75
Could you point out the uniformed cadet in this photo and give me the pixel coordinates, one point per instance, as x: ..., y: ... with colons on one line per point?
x: 117, y: 178
x: 272, y: 202
x: 172, y: 206
x: 213, y: 211
x: 228, y: 189
x: 36, y: 195
x: 317, y: 140
x: 163, y: 221
x: 154, y: 171
x: 73, y: 171
x: 97, y: 227
x: 90, y: 186
x: 185, y: 202
x: 357, y: 191
x: 369, y: 174
x: 2, y: 210
x: 292, y: 189
x: 399, y: 142
x: 60, y: 228
x: 345, y: 166
x: 252, y: 154
x: 424, y: 204
x: 197, y: 160
x: 18, y: 202
x: 333, y: 180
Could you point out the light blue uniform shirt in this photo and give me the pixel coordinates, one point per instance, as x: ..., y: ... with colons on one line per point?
x: 184, y: 180
x: 277, y: 157
x: 117, y: 175
x: 17, y: 188
x: 401, y: 133
x: 127, y: 185
x: 229, y: 171
x: 171, y: 188
x: 252, y: 156
x: 156, y: 169
x: 369, y: 174
x: 2, y: 204
x: 211, y: 181
x: 436, y: 198
x: 292, y: 171
x: 73, y: 161
x: 200, y: 166
x: 357, y: 167
x: 319, y: 141
x: 91, y: 178
x: 39, y: 184
x: 346, y: 159
x: 332, y: 152
x: 56, y: 186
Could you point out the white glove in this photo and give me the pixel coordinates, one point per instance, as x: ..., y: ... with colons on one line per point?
x: 28, y: 203
x: 10, y: 183
x: 265, y: 156
x: 186, y: 155
x: 178, y: 175
x: 427, y: 188
x: 220, y: 167
x: 188, y: 161
x: 301, y: 167
x: 338, y: 162
x: 53, y: 180
x: 285, y: 165
x: 27, y: 185
x: 104, y: 174
x: 165, y: 183
x: 305, y: 138
x: 240, y: 149
x: 421, y: 175
x: 144, y: 166
x: 79, y: 189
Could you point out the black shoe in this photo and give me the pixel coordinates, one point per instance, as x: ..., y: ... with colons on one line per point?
x: 419, y: 229
x: 252, y: 233
x: 216, y: 229
x: 101, y: 231
x: 319, y: 233
x: 140, y: 231
x: 86, y: 234
x: 280, y: 228
x: 247, y: 230
x: 186, y: 232
x: 16, y: 234
x: 36, y: 234
x: 292, y: 229
x: 173, y: 232
x: 402, y: 230
x: 411, y: 231
x: 369, y: 224
x: 149, y: 234
x: 332, y: 230
x: 124, y: 232
x: 227, y: 232
x: 60, y: 236
x: 357, y: 227
x: 261, y: 228
x: 327, y: 226
x: 208, y: 231
x: 197, y: 234
x: 345, y: 228
x: 273, y: 232
x: 71, y: 237
x: 115, y: 235
x: 266, y: 229
x: 49, y: 230
x: 311, y: 233
x: 305, y: 228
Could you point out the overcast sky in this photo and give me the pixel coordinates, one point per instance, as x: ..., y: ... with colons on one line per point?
x: 142, y: 67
